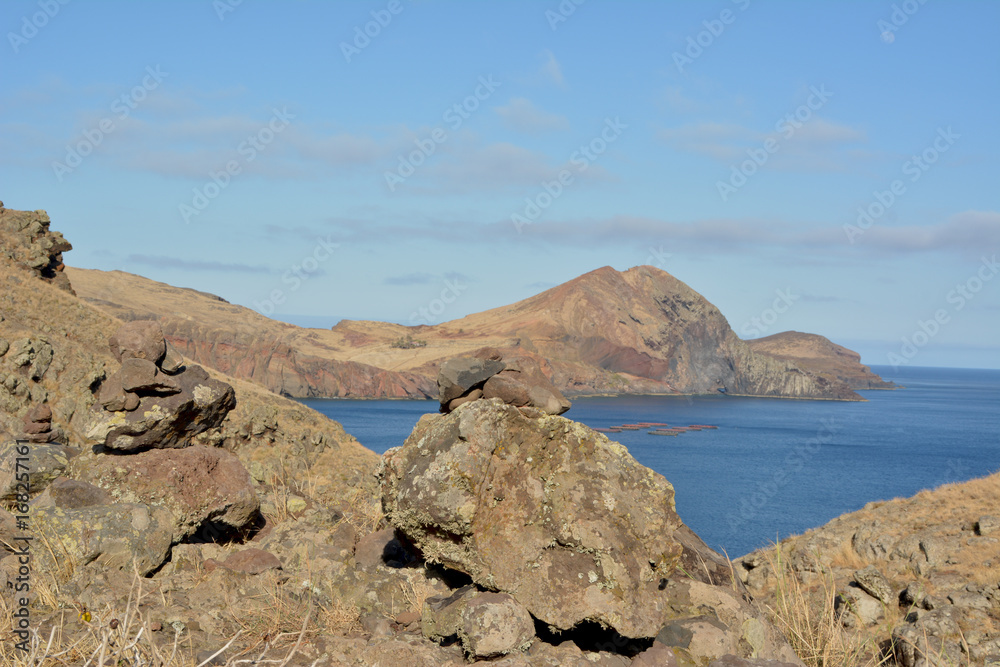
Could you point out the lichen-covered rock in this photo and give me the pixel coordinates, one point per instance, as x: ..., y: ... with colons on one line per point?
x: 488, y: 624
x: 115, y: 536
x: 32, y: 355
x: 44, y: 463
x: 72, y: 494
x: 556, y: 515
x: 166, y: 421
x: 202, y: 487
x: 875, y: 584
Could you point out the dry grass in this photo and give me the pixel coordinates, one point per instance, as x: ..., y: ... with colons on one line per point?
x: 847, y: 557
x: 365, y: 511
x: 805, y: 614
x: 271, y: 630
x: 278, y: 614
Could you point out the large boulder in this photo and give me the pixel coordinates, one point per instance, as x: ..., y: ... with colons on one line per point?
x: 558, y: 516
x: 166, y: 421
x: 202, y: 487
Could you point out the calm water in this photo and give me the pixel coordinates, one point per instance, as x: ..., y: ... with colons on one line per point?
x: 776, y: 467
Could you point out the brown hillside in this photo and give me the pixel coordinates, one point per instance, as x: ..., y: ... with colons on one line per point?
x: 638, y: 331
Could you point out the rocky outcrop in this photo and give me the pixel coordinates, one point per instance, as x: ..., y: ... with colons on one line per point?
x: 821, y: 357
x: 918, y: 559
x: 563, y: 520
x: 25, y: 238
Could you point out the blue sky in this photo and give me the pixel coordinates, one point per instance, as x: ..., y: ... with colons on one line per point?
x: 327, y: 160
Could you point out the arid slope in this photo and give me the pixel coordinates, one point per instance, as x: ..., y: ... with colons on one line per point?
x: 637, y: 331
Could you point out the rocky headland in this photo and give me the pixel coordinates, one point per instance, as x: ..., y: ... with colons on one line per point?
x: 821, y: 357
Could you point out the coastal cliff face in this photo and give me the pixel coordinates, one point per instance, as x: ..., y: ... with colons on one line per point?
x: 822, y: 357
x: 640, y: 331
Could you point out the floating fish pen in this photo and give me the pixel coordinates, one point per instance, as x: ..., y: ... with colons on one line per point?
x: 664, y: 431
x: 703, y: 426
x: 630, y: 427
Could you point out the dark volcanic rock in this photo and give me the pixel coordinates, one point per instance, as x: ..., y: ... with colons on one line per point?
x: 458, y: 376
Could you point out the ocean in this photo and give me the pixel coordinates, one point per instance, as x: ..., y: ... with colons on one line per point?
x: 774, y: 467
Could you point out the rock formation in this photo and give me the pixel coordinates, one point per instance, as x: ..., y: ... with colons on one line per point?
x: 142, y: 407
x: 566, y: 523
x: 516, y: 380
x: 29, y: 243
x: 38, y: 425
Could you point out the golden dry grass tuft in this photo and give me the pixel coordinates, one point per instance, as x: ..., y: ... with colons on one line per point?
x: 806, y: 615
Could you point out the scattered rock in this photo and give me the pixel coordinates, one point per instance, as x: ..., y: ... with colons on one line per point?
x: 495, y: 624
x: 987, y: 525
x: 252, y: 561
x: 874, y: 583
x: 488, y: 624
x: 855, y: 606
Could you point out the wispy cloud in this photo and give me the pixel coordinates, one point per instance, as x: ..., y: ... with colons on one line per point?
x: 552, y: 70
x: 521, y: 115
x: 819, y: 144
x: 163, y: 262
x: 419, y: 278
x: 968, y: 233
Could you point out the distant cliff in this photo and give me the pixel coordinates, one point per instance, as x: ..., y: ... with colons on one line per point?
x: 640, y: 331
x: 821, y: 357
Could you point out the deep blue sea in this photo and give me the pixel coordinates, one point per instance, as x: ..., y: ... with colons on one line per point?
x: 775, y: 468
